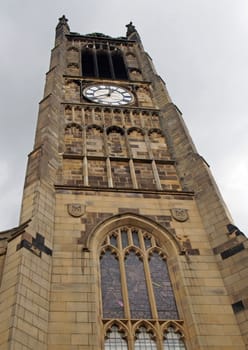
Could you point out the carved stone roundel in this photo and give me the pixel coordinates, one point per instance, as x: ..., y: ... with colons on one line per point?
x: 75, y: 209
x: 180, y: 214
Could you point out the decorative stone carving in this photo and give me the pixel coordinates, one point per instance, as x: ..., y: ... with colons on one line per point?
x: 76, y: 210
x: 180, y: 214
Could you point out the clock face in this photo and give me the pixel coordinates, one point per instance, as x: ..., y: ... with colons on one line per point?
x: 108, y: 94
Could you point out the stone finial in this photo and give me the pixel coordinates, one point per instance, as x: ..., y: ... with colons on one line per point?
x: 63, y: 23
x: 62, y: 29
x: 130, y: 28
x: 63, y: 20
x: 132, y: 33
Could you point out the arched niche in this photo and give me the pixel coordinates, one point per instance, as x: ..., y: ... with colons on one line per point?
x: 116, y: 141
x: 73, y: 138
x: 158, y: 144
x: 144, y: 96
x: 72, y: 90
x: 131, y: 60
x: 136, y: 139
x: 68, y: 113
x: 135, y: 74
x: 88, y: 116
x: 94, y: 140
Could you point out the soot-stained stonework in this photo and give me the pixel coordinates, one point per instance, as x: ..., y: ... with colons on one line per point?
x: 35, y: 245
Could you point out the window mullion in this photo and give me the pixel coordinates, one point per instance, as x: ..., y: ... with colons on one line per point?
x: 123, y: 281
x: 95, y: 63
x: 130, y: 340
x: 148, y: 280
x: 160, y: 338
x: 111, y: 63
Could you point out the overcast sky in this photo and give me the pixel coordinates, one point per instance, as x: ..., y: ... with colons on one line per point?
x: 199, y: 47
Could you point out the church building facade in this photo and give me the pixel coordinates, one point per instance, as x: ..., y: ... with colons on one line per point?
x: 124, y: 240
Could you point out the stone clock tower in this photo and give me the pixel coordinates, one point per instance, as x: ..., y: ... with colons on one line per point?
x: 124, y: 240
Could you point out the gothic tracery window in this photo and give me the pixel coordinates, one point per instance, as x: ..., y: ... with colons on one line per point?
x: 173, y: 340
x: 144, y: 340
x: 114, y: 340
x: 135, y: 286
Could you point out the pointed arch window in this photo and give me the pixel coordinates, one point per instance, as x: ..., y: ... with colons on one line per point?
x: 115, y: 340
x: 144, y: 340
x: 173, y: 340
x: 135, y: 286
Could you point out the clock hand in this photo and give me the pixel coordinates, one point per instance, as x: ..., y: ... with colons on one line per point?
x: 116, y: 95
x: 105, y: 94
x: 109, y: 92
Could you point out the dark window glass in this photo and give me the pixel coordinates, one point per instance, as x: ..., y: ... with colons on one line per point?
x: 103, y: 64
x: 113, y: 240
x: 112, y: 302
x: 119, y: 66
x: 135, y: 238
x: 88, y: 68
x: 164, y: 296
x: 137, y: 289
x: 147, y: 241
x: 124, y: 239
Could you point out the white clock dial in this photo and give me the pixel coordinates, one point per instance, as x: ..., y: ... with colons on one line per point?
x: 108, y: 94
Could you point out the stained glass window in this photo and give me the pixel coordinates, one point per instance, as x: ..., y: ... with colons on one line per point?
x: 137, y: 288
x: 144, y: 340
x: 135, y: 285
x: 115, y: 340
x: 147, y: 241
x: 113, y: 240
x: 164, y: 296
x: 173, y: 340
x: 112, y: 301
x: 124, y: 238
x: 135, y: 238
